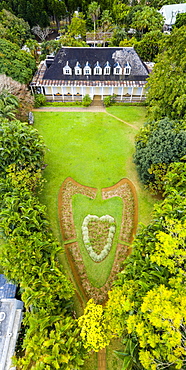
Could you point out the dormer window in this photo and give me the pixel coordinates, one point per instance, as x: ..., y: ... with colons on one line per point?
x: 78, y: 69
x: 107, y: 69
x: 117, y: 69
x: 67, y: 70
x: 127, y: 69
x: 87, y: 70
x: 97, y: 69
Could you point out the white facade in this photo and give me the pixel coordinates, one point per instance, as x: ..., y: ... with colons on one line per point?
x: 170, y: 12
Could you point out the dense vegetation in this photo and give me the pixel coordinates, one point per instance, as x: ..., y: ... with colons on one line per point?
x: 29, y: 255
x: 146, y: 307
x: 15, y: 62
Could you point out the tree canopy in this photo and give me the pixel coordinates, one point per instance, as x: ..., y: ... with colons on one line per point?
x: 149, y: 19
x: 167, y: 83
x: 159, y: 143
x: 16, y: 63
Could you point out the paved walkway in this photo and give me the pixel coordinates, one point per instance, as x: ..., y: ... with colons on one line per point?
x: 71, y: 109
x: 92, y: 109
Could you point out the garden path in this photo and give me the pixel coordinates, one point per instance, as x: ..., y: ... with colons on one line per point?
x: 92, y: 109
x: 102, y: 359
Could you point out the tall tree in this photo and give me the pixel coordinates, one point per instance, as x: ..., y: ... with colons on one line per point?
x: 167, y: 83
x: 150, y: 45
x: 94, y: 11
x: 57, y: 9
x: 13, y: 28
x: 149, y: 19
x: 159, y: 143
x: 180, y: 20
x: 77, y: 27
x: 120, y: 10
x: 16, y: 63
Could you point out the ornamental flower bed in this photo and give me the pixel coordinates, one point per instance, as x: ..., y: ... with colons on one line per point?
x: 97, y: 233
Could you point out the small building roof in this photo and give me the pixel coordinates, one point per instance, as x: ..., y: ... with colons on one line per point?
x: 170, y: 12
x: 94, y: 55
x: 7, y: 290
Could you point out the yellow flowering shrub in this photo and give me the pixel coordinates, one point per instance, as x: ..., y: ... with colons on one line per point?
x: 170, y: 249
x: 95, y: 331
x: 117, y: 305
x: 160, y: 328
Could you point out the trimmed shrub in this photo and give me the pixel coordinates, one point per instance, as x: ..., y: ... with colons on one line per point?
x: 86, y: 100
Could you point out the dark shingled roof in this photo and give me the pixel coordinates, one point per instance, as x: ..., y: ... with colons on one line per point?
x: 54, y: 70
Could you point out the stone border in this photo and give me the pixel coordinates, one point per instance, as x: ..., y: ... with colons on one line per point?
x: 123, y: 189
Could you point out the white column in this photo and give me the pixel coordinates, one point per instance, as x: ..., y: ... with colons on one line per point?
x: 122, y: 93
x: 62, y: 93
x: 72, y: 92
x: 92, y: 93
x: 82, y: 89
x: 131, y: 93
x: 112, y: 90
x: 102, y: 93
x: 141, y: 93
x: 32, y: 90
x: 52, y: 93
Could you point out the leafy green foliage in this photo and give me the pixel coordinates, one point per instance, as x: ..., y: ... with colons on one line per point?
x: 150, y: 45
x: 49, y: 47
x: 158, y: 143
x: 8, y: 105
x: 149, y: 19
x: 86, y: 101
x: 13, y: 28
x: 167, y: 84
x: 39, y: 100
x: 119, y: 35
x: 20, y: 145
x: 109, y: 100
x: 180, y: 20
x: 16, y: 95
x: 77, y: 27
x: 149, y: 297
x: 52, y: 342
x: 29, y: 257
x: 120, y: 11
x: 16, y: 63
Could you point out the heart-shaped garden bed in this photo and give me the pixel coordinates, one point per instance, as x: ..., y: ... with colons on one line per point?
x: 98, y: 234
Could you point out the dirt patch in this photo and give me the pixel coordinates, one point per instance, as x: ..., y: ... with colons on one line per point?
x: 123, y: 189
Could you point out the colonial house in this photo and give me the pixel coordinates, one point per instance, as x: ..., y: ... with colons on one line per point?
x: 77, y: 71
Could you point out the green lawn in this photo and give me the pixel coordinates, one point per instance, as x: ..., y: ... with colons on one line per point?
x: 95, y: 150
x: 134, y: 115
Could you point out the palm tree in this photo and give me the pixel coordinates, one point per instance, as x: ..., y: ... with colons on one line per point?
x: 93, y: 11
x: 106, y: 21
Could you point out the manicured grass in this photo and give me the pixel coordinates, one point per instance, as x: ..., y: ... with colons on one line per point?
x: 97, y: 272
x: 133, y: 114
x: 95, y: 150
